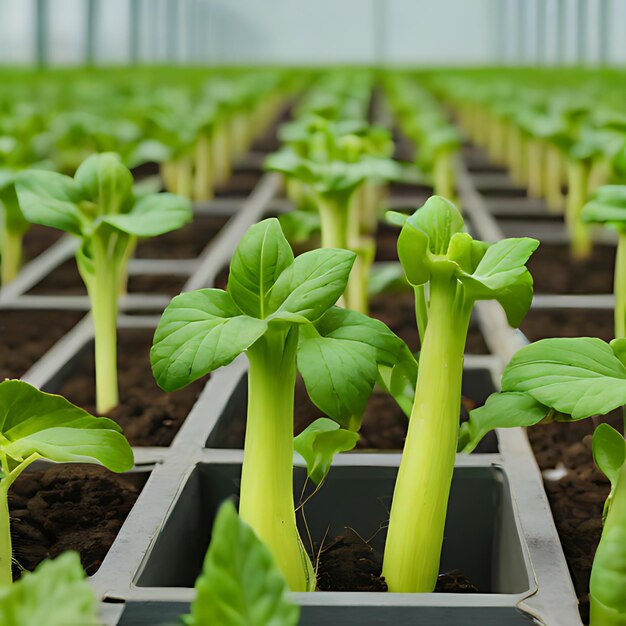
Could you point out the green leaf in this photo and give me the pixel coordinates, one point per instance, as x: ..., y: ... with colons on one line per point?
x: 32, y: 421
x: 55, y: 594
x: 105, y: 181
x: 49, y: 199
x: 319, y: 443
x: 502, y: 275
x: 580, y: 377
x: 425, y: 234
x: 300, y: 226
x: 339, y: 374
x: 386, y: 277
x: 260, y: 258
x: 199, y: 332
x: 240, y: 585
x: 502, y: 410
x: 312, y: 283
x: 609, y: 453
x: 153, y: 215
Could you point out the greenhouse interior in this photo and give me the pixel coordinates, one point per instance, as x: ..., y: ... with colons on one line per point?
x: 312, y: 313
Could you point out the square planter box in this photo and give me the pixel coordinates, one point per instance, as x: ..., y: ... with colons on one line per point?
x: 482, y: 540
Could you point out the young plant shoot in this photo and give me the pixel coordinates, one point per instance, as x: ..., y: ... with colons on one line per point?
x: 55, y: 594
x: 240, y: 582
x: 279, y: 312
x: 14, y: 227
x: 608, y: 207
x: 335, y: 166
x: 100, y: 208
x: 568, y: 380
x: 36, y: 425
x: 458, y: 271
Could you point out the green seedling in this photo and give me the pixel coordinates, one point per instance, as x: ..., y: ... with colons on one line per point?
x: 568, y: 380
x: 99, y: 207
x: 36, y: 425
x: 450, y: 271
x: 279, y: 312
x: 608, y: 207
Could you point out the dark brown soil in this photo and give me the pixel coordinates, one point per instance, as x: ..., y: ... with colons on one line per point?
x: 578, y: 498
x: 384, y: 425
x: 184, y: 243
x: 69, y: 507
x: 38, y: 239
x: 397, y: 310
x: 26, y: 335
x: 65, y: 280
x: 554, y: 271
x: 544, y: 323
x: 348, y: 563
x: 147, y: 415
x: 387, y: 242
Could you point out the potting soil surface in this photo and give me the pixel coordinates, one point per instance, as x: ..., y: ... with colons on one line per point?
x: 69, y: 507
x: 26, y: 335
x: 554, y: 271
x: 545, y: 323
x: 148, y: 416
x: 349, y: 563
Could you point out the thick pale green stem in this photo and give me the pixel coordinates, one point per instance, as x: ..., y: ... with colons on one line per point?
x: 418, y: 512
x: 536, y: 167
x: 267, y: 502
x: 580, y: 238
x: 169, y: 174
x: 6, y: 549
x: 599, y: 173
x: 608, y: 574
x: 334, y: 219
x: 443, y: 174
x: 184, y: 176
x: 103, y: 288
x: 11, y: 255
x: 202, y: 185
x: 221, y: 154
x: 552, y: 179
x: 619, y: 277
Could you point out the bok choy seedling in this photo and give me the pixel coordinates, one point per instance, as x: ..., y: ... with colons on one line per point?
x: 335, y: 165
x: 37, y: 425
x: 240, y: 582
x: 608, y: 207
x: 14, y: 227
x: 457, y: 270
x: 568, y: 380
x: 100, y: 208
x: 279, y: 312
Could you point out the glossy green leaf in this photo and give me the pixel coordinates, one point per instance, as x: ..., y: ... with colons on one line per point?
x: 609, y: 453
x: 153, y: 215
x: 312, y: 283
x: 580, y: 377
x: 339, y: 374
x: 34, y: 422
x: 240, y: 585
x: 319, y: 443
x: 502, y: 275
x: 502, y: 410
x: 104, y: 180
x: 55, y: 594
x: 50, y: 199
x: 199, y: 332
x: 260, y: 258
